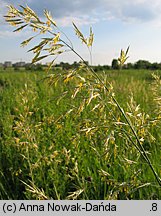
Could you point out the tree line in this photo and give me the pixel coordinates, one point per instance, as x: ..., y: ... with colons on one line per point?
x: 140, y: 64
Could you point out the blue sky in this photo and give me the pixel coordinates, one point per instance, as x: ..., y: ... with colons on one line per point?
x: 116, y: 24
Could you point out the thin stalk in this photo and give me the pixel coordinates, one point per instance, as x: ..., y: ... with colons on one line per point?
x: 142, y: 150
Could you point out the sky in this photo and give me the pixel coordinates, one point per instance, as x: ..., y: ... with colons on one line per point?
x: 116, y: 25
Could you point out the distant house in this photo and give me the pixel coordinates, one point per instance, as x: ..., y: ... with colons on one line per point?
x: 20, y: 64
x: 7, y: 64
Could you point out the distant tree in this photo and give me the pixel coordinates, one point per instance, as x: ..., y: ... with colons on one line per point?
x: 129, y: 66
x: 65, y: 65
x: 159, y: 66
x: 29, y: 67
x: 106, y: 67
x: 75, y: 64
x: 16, y: 68
x: 142, y: 64
x: 39, y: 67
x: 115, y: 64
x: 155, y: 66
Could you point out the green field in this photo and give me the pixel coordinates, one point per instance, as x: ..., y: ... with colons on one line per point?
x: 67, y: 140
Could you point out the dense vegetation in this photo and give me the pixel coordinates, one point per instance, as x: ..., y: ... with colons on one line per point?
x: 56, y: 144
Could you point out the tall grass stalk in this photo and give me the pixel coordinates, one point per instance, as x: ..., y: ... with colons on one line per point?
x: 140, y: 148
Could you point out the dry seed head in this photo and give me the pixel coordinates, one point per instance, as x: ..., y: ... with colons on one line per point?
x: 55, y: 154
x: 79, y: 34
x: 74, y: 195
x: 49, y: 17
x: 56, y: 38
x: 17, y: 140
x: 91, y: 38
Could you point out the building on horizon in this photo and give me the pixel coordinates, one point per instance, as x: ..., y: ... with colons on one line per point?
x: 20, y: 64
x: 7, y: 64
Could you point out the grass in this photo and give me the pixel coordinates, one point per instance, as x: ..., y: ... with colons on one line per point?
x: 54, y: 146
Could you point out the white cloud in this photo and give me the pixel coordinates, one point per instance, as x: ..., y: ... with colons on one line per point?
x: 6, y: 33
x: 10, y: 34
x: 130, y: 11
x: 79, y: 21
x: 126, y: 10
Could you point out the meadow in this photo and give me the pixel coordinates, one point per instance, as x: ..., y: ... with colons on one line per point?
x: 62, y: 137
